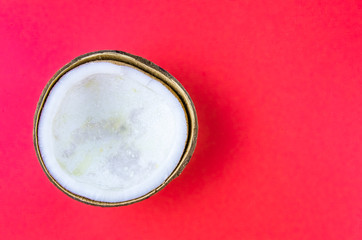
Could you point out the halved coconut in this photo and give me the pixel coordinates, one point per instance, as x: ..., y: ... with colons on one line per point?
x: 112, y: 129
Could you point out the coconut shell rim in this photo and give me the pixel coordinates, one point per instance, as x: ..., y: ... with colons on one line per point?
x: 150, y: 69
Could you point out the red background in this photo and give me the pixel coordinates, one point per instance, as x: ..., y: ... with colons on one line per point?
x: 277, y: 86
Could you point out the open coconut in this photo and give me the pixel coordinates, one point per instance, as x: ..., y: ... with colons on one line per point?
x: 111, y: 128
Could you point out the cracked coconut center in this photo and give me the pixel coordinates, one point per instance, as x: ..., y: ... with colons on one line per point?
x: 111, y: 133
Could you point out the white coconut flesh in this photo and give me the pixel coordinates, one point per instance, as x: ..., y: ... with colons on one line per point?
x: 110, y: 132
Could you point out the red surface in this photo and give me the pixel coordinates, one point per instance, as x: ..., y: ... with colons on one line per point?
x: 277, y: 86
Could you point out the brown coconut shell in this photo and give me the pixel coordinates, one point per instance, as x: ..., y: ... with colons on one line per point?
x: 148, y: 68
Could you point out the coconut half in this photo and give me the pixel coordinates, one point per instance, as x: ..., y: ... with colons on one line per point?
x: 112, y: 128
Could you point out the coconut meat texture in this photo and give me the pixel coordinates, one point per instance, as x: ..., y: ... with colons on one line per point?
x: 110, y: 132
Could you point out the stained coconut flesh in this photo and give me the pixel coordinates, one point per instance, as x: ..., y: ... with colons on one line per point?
x: 111, y: 133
